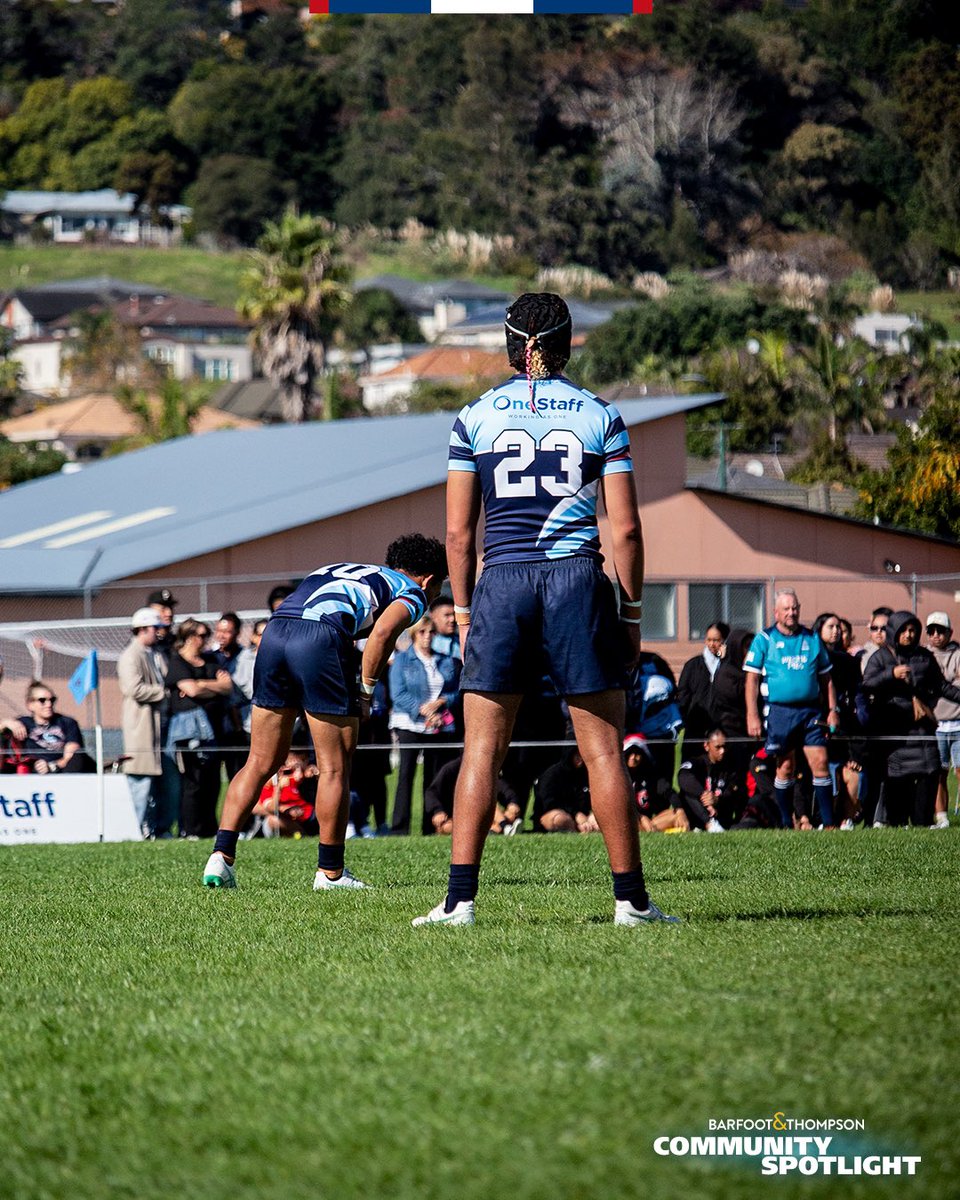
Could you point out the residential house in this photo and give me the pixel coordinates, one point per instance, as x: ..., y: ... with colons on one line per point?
x: 103, y: 215
x: 440, y: 364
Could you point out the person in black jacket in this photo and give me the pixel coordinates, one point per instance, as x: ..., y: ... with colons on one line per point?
x: 695, y: 688
x: 709, y: 786
x: 561, y: 798
x: 903, y: 682
x: 846, y: 748
x: 729, y: 702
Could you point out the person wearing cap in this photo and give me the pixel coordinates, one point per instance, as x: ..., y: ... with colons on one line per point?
x: 658, y: 806
x: 144, y: 692
x: 163, y: 602
x: 946, y: 651
x: 533, y: 455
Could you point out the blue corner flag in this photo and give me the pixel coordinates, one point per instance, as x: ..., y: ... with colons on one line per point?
x: 85, y: 678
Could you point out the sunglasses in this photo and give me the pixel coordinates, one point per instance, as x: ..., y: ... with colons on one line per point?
x: 44, y: 700
x: 878, y: 629
x: 937, y: 629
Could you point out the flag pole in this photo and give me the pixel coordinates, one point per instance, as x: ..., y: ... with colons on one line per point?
x: 101, y: 798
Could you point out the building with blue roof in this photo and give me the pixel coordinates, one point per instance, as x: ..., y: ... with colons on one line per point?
x: 220, y: 517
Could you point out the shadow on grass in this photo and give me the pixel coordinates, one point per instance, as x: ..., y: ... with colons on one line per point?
x: 815, y: 914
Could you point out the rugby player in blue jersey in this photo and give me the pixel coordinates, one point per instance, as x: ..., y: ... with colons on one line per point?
x: 307, y: 661
x: 534, y: 454
x: 801, y: 694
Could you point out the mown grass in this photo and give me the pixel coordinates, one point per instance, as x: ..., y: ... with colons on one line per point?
x: 940, y: 306
x: 184, y: 269
x: 165, y: 1041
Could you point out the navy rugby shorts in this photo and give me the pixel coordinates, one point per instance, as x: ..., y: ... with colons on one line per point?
x: 791, y: 726
x: 306, y: 664
x: 556, y: 618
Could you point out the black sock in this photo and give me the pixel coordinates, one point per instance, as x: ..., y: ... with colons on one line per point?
x: 329, y: 858
x: 464, y: 882
x: 226, y: 842
x: 629, y: 885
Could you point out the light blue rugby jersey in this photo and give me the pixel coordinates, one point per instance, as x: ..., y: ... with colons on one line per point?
x: 792, y: 663
x: 540, y: 464
x: 352, y: 596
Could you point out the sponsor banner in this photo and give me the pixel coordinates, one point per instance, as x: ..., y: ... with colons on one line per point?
x: 64, y: 808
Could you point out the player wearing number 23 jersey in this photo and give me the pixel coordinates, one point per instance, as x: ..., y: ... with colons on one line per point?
x: 540, y: 449
x: 532, y: 455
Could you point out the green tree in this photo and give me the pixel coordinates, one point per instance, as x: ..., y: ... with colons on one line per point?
x: 235, y: 197
x: 21, y: 461
x: 376, y: 315
x: 159, y: 42
x: 168, y: 414
x: 920, y: 488
x: 11, y: 373
x: 294, y: 292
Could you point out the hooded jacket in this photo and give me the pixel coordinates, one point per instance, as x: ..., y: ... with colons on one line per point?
x: 891, y: 699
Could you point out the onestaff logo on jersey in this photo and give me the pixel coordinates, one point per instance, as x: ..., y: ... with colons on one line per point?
x: 545, y: 404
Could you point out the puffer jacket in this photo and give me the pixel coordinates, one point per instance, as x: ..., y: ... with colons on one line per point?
x: 891, y: 700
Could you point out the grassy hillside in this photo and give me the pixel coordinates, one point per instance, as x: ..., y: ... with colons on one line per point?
x: 196, y: 272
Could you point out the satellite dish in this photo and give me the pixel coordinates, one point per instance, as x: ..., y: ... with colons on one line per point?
x: 754, y: 467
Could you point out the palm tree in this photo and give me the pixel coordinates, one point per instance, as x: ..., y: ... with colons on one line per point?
x: 293, y: 291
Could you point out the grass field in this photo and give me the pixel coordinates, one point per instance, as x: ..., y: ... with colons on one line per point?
x: 165, y: 1041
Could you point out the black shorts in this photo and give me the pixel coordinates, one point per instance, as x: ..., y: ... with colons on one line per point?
x: 306, y: 664
x: 554, y: 618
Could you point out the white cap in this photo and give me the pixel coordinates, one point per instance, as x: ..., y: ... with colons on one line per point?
x: 144, y: 618
x: 938, y: 618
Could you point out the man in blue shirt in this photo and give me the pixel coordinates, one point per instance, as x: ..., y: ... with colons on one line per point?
x: 307, y: 661
x: 534, y: 453
x: 801, y: 693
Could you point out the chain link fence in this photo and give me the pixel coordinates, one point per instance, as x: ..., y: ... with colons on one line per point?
x: 45, y: 637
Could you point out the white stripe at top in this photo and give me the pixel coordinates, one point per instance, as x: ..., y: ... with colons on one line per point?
x: 481, y: 7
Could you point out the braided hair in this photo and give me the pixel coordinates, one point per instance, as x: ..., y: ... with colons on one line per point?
x: 538, y: 330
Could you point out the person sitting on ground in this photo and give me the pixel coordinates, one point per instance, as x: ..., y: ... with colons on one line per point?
x: 656, y: 801
x: 708, y: 786
x: 53, y: 741
x: 286, y: 804
x: 439, y: 796
x: 761, y: 810
x: 561, y: 798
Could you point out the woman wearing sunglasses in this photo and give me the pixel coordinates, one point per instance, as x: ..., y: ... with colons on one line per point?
x: 53, y: 741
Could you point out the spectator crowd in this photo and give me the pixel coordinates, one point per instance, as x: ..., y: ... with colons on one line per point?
x: 791, y: 727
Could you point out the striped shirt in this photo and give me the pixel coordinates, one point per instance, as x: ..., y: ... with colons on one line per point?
x: 540, y: 454
x: 352, y: 596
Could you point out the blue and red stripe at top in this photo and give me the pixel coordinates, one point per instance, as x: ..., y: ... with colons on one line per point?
x: 325, y: 7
